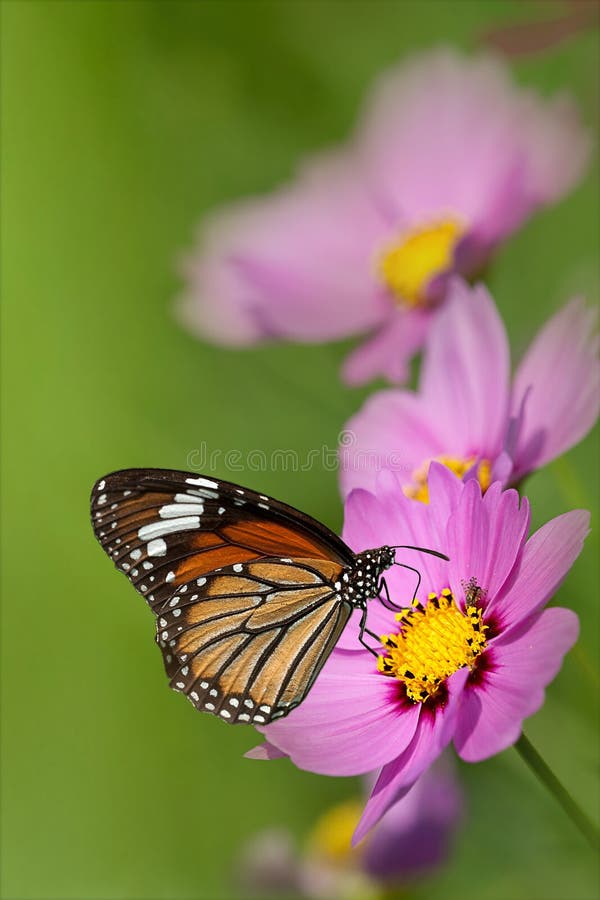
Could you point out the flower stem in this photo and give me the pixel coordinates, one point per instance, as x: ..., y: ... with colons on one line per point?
x: 547, y: 777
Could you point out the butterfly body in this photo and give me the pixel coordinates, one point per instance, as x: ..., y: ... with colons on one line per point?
x: 250, y: 595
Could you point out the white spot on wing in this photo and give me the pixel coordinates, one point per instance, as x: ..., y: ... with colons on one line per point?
x: 173, y: 510
x: 189, y: 498
x: 202, y: 482
x: 157, y: 548
x: 158, y: 529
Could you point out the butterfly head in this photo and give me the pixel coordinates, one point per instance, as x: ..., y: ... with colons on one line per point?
x: 385, y: 557
x: 362, y: 580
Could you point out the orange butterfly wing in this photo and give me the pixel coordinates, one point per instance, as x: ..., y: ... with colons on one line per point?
x: 245, y: 588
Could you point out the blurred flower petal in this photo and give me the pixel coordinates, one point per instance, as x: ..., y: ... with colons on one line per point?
x: 558, y: 385
x: 448, y: 159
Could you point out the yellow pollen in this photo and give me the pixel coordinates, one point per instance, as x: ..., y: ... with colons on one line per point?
x: 434, y: 641
x: 407, y: 265
x: 419, y: 489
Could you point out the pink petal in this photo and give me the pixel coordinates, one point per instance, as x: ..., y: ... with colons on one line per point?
x: 466, y: 372
x: 485, y: 537
x: 389, y: 517
x: 415, y: 835
x: 394, y: 430
x: 295, y: 264
x: 353, y: 720
x: 523, y: 663
x: 389, y: 351
x: 547, y: 557
x: 408, y: 522
x: 558, y: 385
x: 433, y: 733
x: 414, y: 134
x: 265, y: 750
x: 558, y: 148
x: 502, y: 468
x: 445, y: 491
x: 443, y: 133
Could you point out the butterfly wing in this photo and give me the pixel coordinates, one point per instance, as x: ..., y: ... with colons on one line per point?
x: 245, y: 588
x: 247, y: 644
x: 165, y: 528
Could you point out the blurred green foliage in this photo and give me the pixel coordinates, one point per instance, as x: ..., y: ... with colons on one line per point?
x: 123, y: 123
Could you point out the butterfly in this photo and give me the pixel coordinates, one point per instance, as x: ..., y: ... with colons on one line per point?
x: 250, y: 595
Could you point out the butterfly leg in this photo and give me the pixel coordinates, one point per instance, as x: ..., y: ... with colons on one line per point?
x: 383, y: 586
x: 363, y: 630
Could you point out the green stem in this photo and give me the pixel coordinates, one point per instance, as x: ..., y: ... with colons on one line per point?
x: 547, y: 777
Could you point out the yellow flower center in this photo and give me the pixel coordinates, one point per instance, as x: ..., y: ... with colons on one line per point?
x: 434, y: 641
x: 407, y: 265
x: 419, y: 489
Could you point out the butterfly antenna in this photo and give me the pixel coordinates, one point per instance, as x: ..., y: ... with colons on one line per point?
x: 419, y: 550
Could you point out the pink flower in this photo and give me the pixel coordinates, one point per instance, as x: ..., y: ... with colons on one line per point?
x: 416, y: 834
x: 412, y: 840
x: 449, y: 159
x: 467, y: 414
x: 468, y: 664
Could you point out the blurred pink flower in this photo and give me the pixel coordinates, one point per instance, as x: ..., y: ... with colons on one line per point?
x: 415, y: 835
x: 450, y: 157
x: 411, y: 841
x: 467, y: 414
x: 467, y: 664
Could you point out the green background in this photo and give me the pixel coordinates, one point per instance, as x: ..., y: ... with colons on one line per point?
x: 123, y: 123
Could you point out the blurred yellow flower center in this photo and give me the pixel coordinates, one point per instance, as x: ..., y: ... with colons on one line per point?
x: 434, y: 641
x: 419, y: 489
x: 407, y: 265
x: 331, y: 836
